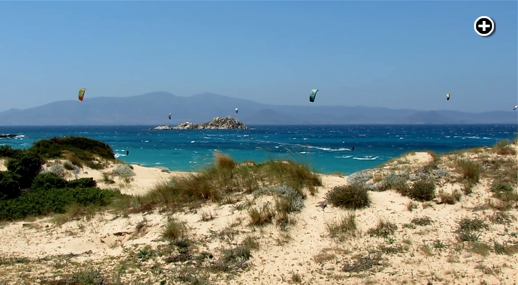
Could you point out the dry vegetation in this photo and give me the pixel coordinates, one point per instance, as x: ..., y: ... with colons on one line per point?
x: 419, y: 219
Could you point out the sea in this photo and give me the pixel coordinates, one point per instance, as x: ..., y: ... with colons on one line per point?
x: 326, y: 149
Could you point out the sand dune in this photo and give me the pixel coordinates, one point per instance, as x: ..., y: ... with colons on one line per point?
x: 306, y: 253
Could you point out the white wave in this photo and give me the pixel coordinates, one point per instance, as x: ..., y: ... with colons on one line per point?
x: 343, y: 156
x: 368, y: 157
x: 328, y: 148
x: 193, y: 141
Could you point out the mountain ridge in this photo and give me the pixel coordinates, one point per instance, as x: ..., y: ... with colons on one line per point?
x: 152, y: 108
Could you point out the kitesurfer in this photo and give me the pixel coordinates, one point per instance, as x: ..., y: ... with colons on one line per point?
x: 352, y: 148
x: 81, y: 94
x: 127, y: 152
x: 313, y: 95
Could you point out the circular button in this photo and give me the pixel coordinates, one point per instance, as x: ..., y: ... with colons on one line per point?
x: 484, y: 26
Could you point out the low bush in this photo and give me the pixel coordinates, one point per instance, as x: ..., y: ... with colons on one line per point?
x: 38, y: 203
x: 84, y: 148
x: 9, y: 185
x: 8, y: 152
x: 82, y: 183
x: 352, y: 196
x: 26, y: 166
x: 422, y: 190
x: 48, y: 180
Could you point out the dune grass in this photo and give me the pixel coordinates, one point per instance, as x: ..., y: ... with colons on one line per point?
x: 226, y: 177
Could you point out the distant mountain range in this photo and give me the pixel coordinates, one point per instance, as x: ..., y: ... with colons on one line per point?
x: 153, y: 109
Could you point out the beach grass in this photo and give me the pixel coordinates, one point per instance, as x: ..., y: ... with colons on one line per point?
x: 226, y: 178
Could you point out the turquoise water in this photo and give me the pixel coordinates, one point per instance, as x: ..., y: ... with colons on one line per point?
x: 326, y: 149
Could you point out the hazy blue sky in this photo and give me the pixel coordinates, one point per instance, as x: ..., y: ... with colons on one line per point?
x: 393, y: 54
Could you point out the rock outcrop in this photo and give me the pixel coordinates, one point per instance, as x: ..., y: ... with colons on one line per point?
x: 218, y: 123
x: 7, y: 136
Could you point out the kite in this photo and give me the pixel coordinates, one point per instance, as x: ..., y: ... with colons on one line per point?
x: 237, y: 110
x: 313, y: 95
x: 448, y: 96
x: 169, y: 116
x: 81, y: 94
x: 515, y: 107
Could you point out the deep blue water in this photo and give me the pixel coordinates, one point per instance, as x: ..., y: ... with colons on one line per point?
x: 326, y: 149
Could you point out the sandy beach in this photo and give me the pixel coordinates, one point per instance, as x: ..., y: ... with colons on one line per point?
x: 423, y: 249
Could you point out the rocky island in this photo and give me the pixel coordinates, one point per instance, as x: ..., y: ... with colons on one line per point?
x: 7, y: 136
x: 218, y: 123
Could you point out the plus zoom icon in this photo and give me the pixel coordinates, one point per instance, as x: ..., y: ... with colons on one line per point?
x: 484, y: 26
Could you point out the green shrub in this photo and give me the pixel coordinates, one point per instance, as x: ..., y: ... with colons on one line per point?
x: 352, y: 196
x: 82, y: 183
x: 47, y: 181
x: 38, y: 203
x: 9, y: 185
x: 422, y: 190
x: 26, y: 165
x: 7, y: 151
x: 83, y: 148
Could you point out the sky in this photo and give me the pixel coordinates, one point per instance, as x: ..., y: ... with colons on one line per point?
x: 394, y: 54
